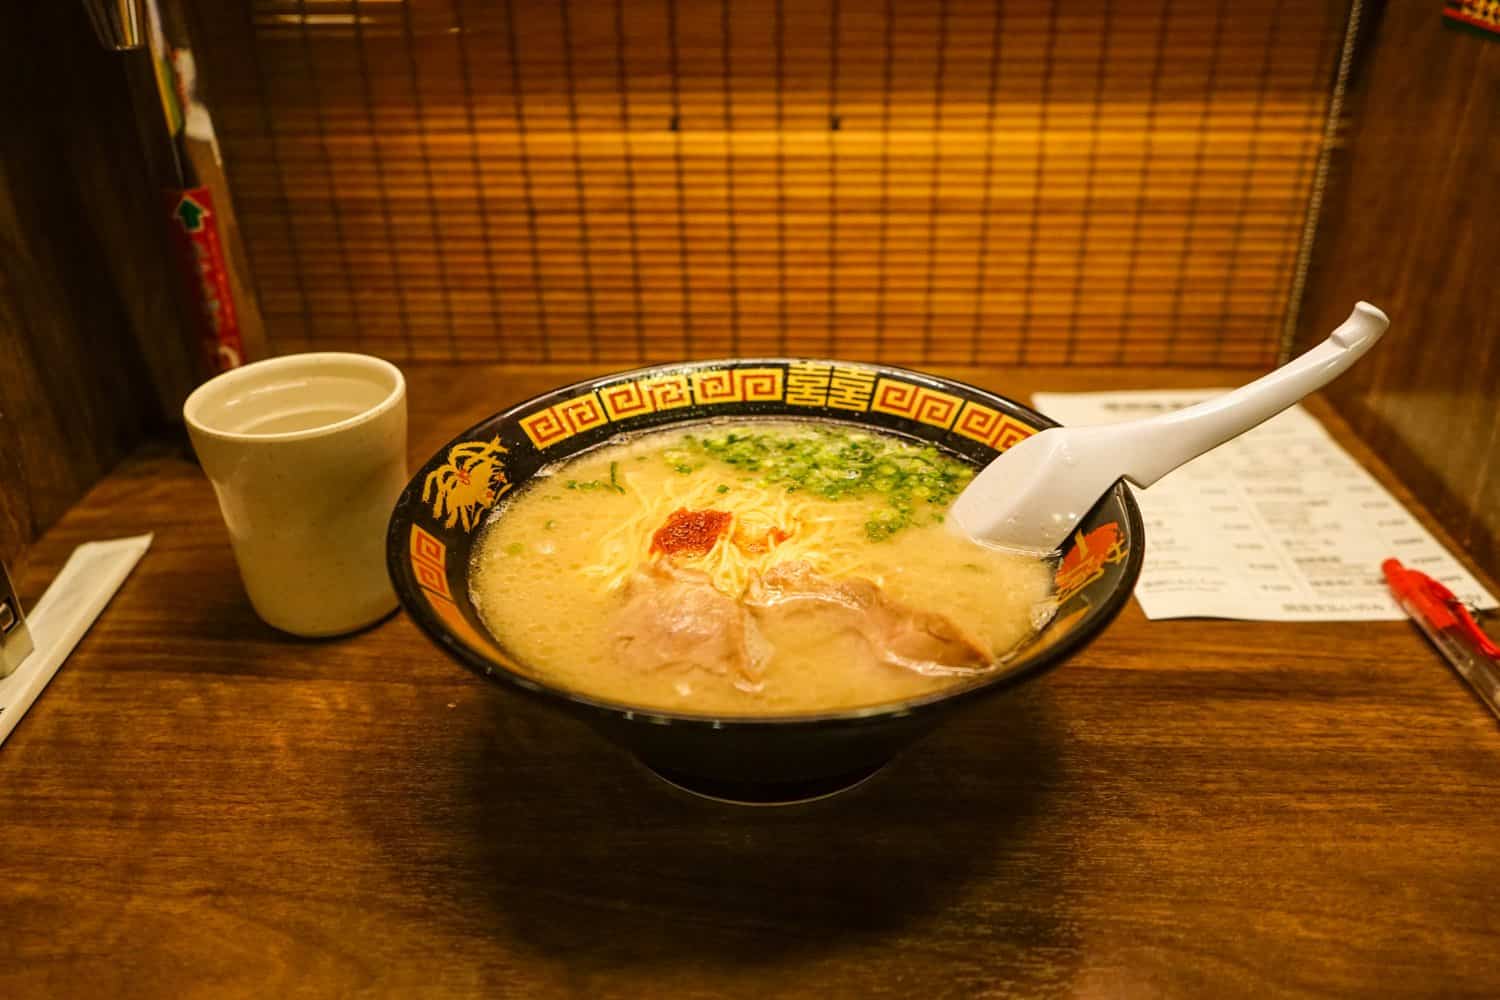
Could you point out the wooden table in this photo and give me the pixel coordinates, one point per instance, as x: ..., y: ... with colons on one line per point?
x: 199, y: 806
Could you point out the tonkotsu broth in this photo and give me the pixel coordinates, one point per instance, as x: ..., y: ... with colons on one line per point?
x: 552, y: 566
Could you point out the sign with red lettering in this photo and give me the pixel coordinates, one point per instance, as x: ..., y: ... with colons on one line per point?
x: 200, y: 253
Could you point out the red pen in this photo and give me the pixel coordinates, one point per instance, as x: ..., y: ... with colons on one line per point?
x: 1446, y: 621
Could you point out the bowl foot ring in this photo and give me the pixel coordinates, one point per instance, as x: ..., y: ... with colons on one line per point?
x: 747, y: 793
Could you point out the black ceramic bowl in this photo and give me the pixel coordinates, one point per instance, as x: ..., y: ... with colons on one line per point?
x: 768, y: 759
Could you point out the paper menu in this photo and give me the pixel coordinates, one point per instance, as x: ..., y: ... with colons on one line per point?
x: 1280, y: 524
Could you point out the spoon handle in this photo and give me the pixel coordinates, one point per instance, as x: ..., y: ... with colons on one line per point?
x: 1150, y: 448
x: 1032, y: 495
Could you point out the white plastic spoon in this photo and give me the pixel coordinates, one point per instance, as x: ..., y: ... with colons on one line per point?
x: 1032, y: 496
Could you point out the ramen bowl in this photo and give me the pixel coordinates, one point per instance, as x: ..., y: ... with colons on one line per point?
x: 765, y: 759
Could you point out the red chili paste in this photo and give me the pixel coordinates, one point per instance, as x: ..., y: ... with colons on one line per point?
x: 690, y: 532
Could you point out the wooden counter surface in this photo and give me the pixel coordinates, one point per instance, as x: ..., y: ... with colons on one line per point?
x: 200, y: 807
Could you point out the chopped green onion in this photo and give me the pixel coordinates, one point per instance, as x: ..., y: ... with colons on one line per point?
x: 595, y: 484
x: 834, y: 464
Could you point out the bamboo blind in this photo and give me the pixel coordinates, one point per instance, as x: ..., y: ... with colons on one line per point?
x: 1123, y: 182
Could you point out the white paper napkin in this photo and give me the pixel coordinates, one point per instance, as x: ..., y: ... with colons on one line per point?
x: 71, y: 604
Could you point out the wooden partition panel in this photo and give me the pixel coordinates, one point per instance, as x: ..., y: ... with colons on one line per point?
x: 94, y: 356
x: 1413, y: 224
x: 1116, y: 182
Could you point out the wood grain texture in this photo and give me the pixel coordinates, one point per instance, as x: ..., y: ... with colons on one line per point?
x: 198, y: 807
x: 1411, y: 226
x: 92, y: 354
x: 947, y: 181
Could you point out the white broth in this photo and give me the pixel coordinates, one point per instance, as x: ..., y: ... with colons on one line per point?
x: 753, y: 567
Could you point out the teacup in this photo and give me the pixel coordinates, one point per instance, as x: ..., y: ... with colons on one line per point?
x: 307, y: 454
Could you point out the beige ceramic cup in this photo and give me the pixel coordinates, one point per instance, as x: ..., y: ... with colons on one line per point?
x: 307, y: 454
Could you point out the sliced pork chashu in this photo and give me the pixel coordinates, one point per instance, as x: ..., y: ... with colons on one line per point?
x: 675, y: 619
x: 794, y: 595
